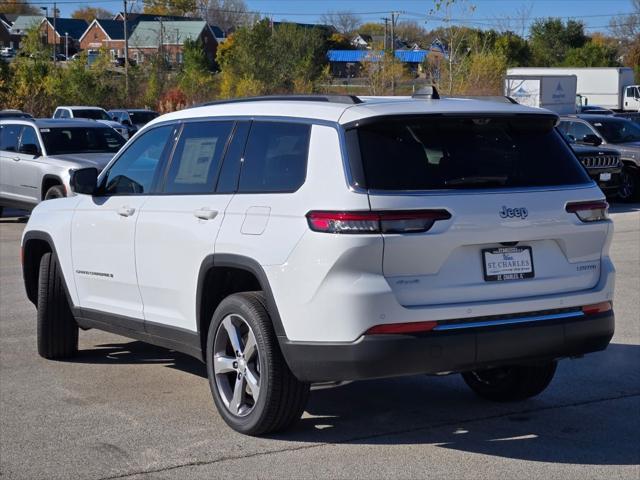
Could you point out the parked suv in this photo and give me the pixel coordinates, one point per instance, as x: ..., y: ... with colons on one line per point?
x: 38, y: 156
x: 603, y: 165
x: 91, y: 113
x: 620, y: 134
x: 287, y: 241
x: 133, y: 119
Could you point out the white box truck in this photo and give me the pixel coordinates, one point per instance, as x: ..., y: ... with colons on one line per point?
x: 608, y: 87
x: 553, y: 92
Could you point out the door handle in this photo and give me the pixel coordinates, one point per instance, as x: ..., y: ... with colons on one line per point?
x: 126, y: 211
x: 16, y: 159
x: 205, y: 213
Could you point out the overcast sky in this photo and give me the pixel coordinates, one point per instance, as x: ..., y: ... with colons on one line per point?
x: 595, y: 13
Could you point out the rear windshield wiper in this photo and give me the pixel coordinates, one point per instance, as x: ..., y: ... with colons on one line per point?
x: 462, y: 181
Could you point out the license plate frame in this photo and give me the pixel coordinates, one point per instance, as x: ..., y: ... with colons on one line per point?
x: 491, y: 272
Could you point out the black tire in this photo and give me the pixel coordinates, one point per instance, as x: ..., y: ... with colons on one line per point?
x: 57, y: 191
x: 629, y: 189
x: 57, y: 329
x: 282, y: 397
x: 513, y: 383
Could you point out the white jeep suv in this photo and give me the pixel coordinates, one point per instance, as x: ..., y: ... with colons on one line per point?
x: 288, y: 241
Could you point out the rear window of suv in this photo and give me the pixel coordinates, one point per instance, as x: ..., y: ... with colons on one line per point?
x: 433, y: 153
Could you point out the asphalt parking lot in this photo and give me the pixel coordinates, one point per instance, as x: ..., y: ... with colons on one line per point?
x: 124, y: 409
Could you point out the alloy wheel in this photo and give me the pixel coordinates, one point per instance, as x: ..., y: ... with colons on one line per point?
x: 625, y: 190
x: 236, y: 364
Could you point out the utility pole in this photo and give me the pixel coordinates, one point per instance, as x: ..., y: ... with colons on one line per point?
x: 55, y: 33
x: 161, y: 48
x: 66, y: 45
x: 386, y: 32
x: 394, y: 18
x: 126, y: 55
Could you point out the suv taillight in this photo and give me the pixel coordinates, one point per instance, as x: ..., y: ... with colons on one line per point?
x: 411, y: 221
x: 589, y: 211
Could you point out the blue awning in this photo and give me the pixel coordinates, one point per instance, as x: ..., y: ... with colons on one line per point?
x: 355, y: 56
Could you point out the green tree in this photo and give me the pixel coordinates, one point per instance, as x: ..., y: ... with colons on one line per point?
x: 29, y: 74
x: 484, y: 74
x: 91, y: 13
x: 591, y: 55
x: 21, y: 8
x: 551, y: 39
x: 195, y: 79
x: 262, y: 59
x: 155, y: 73
x: 371, y: 28
x: 170, y: 7
x: 514, y: 49
x: 383, y: 73
x: 79, y: 83
x: 6, y: 82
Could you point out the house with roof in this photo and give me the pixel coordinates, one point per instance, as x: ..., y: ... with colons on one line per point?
x: 105, y: 33
x: 20, y: 26
x: 167, y: 38
x: 63, y: 33
x: 362, y: 40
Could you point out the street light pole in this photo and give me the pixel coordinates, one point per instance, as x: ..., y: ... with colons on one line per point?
x: 55, y: 38
x: 126, y: 55
x: 66, y: 45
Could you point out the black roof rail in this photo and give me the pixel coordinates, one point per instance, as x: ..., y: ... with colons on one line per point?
x: 348, y: 99
x: 486, y: 98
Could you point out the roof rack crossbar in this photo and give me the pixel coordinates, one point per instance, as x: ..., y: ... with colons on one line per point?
x: 348, y: 99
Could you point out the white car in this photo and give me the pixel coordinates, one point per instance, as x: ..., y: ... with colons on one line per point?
x: 92, y: 113
x: 7, y: 52
x: 288, y: 241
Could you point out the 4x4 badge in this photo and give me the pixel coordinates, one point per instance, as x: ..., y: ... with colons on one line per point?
x: 514, y: 212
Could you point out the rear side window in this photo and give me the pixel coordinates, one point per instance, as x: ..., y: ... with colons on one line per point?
x: 576, y: 131
x: 275, y: 158
x: 453, y: 153
x: 197, y: 157
x: 9, y: 137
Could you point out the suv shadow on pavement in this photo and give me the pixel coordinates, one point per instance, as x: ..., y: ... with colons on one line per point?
x: 617, y: 207
x: 585, y: 417
x: 140, y: 353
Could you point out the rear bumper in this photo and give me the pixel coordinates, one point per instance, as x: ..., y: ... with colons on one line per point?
x: 453, y: 350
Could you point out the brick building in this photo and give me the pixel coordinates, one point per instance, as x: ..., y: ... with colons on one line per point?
x: 67, y: 33
x: 105, y: 33
x: 168, y: 37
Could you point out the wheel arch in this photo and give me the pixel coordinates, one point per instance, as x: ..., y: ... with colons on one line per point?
x: 34, y: 245
x: 224, y: 274
x: 49, y: 181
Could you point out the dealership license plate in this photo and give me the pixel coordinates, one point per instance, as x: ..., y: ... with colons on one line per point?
x: 605, y: 177
x: 507, y: 263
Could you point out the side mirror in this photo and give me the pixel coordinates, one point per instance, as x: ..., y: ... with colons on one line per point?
x: 84, y: 180
x: 30, y: 149
x: 591, y: 139
x: 115, y: 118
x: 126, y: 122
